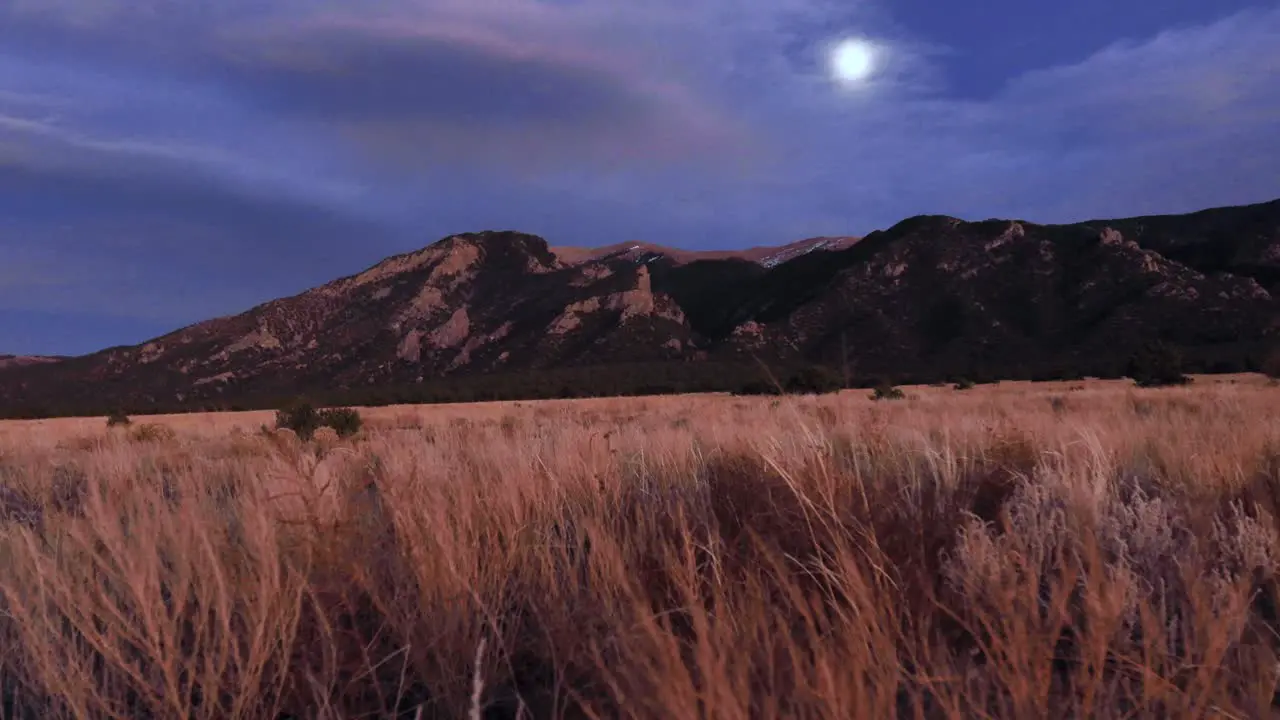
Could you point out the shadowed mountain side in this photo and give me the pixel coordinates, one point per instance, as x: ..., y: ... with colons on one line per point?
x: 1240, y: 240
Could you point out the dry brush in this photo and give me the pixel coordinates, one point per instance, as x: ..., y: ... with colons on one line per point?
x: 1011, y: 551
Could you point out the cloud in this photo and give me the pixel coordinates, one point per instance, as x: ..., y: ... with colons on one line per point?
x: 1181, y: 121
x: 505, y: 82
x: 21, y: 274
x: 145, y: 229
x: 715, y: 100
x: 523, y: 85
x: 1180, y: 84
x: 45, y: 159
x: 1185, y: 120
x: 426, y: 96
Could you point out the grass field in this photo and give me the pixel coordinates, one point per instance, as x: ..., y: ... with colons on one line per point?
x: 1050, y: 550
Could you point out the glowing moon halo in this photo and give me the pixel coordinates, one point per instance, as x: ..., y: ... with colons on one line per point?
x: 853, y: 60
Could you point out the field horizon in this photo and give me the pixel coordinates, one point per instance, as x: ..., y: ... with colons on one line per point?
x: 1065, y: 549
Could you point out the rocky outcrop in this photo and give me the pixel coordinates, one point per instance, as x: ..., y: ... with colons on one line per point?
x: 638, y: 301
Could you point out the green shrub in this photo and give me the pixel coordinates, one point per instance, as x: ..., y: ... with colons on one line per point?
x: 344, y: 421
x: 887, y: 392
x: 964, y: 384
x: 116, y: 418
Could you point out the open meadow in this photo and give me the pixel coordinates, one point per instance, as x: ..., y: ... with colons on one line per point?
x: 1016, y: 550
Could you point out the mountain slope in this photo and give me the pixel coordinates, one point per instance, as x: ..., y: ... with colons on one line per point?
x: 1240, y: 240
x: 1015, y: 299
x: 929, y: 298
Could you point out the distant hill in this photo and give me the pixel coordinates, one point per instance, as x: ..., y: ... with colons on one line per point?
x: 8, y: 361
x: 767, y: 256
x: 493, y: 314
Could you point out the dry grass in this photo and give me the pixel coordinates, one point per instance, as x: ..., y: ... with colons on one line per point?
x: 1058, y: 550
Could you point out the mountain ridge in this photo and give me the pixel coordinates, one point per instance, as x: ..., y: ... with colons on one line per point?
x: 930, y: 297
x: 767, y: 255
x: 25, y: 360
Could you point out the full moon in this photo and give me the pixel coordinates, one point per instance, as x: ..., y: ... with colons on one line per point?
x: 853, y: 60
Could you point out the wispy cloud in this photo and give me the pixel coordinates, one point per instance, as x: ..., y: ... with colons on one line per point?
x: 718, y: 93
x: 501, y: 82
x: 1184, y: 120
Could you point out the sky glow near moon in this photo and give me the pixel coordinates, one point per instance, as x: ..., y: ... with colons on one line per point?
x: 852, y: 61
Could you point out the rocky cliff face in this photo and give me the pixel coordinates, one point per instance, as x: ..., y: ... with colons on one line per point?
x: 931, y: 296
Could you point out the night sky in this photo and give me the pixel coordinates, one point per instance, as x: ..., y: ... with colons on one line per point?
x: 166, y: 161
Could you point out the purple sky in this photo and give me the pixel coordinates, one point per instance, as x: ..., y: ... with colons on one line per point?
x: 165, y: 161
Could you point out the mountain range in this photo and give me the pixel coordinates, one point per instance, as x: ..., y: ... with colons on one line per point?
x: 930, y: 298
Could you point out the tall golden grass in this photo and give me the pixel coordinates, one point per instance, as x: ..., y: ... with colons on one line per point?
x: 1087, y: 550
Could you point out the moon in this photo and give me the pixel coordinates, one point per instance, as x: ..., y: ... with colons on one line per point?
x: 852, y: 61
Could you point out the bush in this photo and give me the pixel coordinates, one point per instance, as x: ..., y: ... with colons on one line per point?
x: 301, y: 418
x: 758, y: 387
x: 887, y: 392
x: 1157, y: 365
x: 1059, y: 404
x: 964, y: 384
x: 152, y: 433
x: 814, y: 379
x: 117, y: 418
x: 1271, y: 364
x: 344, y: 421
